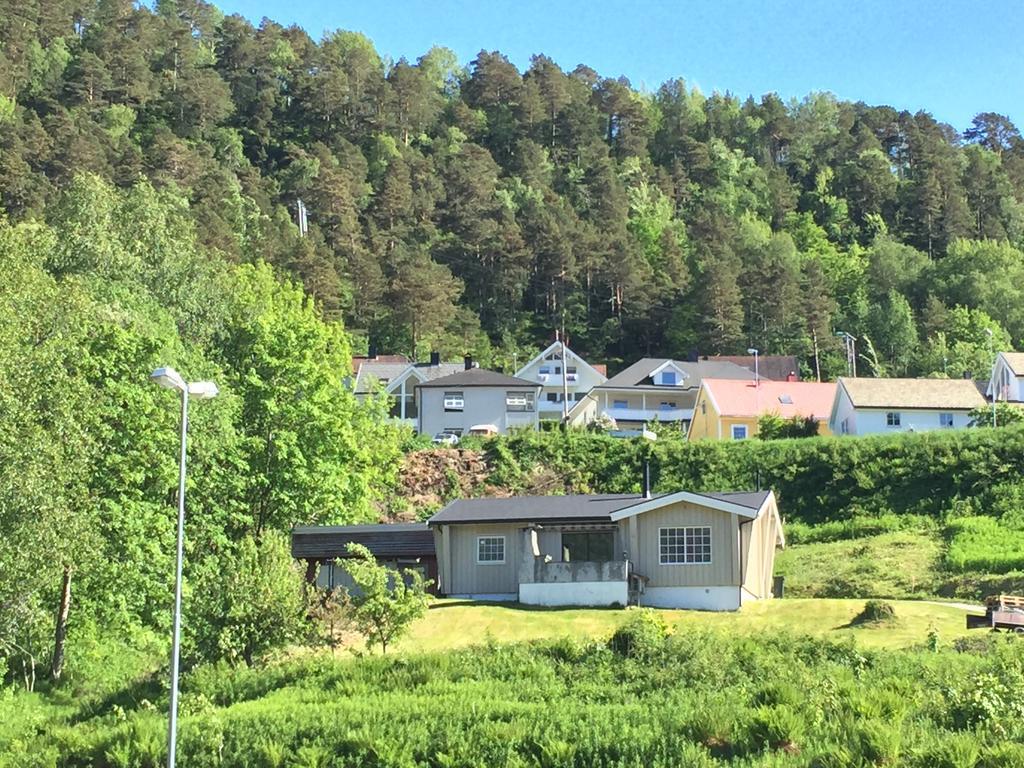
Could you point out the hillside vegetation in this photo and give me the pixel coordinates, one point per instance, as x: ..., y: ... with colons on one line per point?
x: 471, y: 206
x: 695, y: 698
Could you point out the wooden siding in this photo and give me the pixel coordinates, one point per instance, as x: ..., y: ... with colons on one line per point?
x: 724, y: 566
x: 470, y: 578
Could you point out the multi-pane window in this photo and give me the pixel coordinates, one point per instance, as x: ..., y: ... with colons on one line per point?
x: 892, y: 419
x: 519, y: 401
x: 588, y: 546
x: 453, y: 401
x: 945, y: 419
x: 490, y: 549
x: 684, y: 546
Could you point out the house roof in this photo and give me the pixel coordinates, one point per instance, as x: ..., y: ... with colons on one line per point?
x: 950, y: 394
x: 387, y: 540
x: 479, y: 377
x: 732, y: 397
x: 372, y: 372
x: 601, y: 507
x: 635, y: 375
x: 1016, y: 362
x: 774, y: 367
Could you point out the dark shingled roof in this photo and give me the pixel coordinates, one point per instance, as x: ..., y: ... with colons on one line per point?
x: 479, y: 377
x: 385, y: 541
x: 537, y: 508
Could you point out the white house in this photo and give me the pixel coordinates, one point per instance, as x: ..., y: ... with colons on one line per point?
x: 475, y: 396
x: 1007, y: 380
x: 659, y: 389
x: 565, y: 379
x: 871, y: 406
x: 710, y: 551
x: 399, y: 379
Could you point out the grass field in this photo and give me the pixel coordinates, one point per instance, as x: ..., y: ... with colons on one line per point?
x: 455, y: 623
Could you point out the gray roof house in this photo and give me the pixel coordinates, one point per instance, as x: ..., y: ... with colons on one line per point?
x: 476, y: 397
x: 710, y: 551
x: 659, y: 389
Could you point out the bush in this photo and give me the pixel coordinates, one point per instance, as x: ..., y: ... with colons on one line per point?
x: 779, y: 727
x: 875, y: 612
x: 642, y: 635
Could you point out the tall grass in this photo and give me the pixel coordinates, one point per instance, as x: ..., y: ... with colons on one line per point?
x: 985, y: 544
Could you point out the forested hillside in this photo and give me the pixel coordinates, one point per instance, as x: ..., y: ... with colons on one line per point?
x: 468, y: 206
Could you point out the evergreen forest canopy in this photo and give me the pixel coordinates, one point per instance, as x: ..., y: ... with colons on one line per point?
x: 475, y: 208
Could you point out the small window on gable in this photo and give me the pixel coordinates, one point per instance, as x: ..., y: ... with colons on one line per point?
x: 668, y: 378
x: 453, y: 401
x: 892, y: 419
x: 945, y: 419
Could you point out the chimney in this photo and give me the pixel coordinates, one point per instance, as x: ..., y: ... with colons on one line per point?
x: 372, y: 351
x: 967, y: 375
x: 435, y: 359
x: 468, y: 362
x: 693, y: 356
x: 791, y: 376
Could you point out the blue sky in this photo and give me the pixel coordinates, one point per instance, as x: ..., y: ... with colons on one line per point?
x: 954, y: 59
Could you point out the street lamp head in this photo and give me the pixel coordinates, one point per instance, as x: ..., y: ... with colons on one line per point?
x: 203, y: 390
x: 751, y: 351
x: 988, y: 332
x: 169, y: 378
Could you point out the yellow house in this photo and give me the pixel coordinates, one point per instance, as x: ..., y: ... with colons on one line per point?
x: 728, y: 409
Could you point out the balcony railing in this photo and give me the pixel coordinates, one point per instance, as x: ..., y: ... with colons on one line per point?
x: 577, y: 571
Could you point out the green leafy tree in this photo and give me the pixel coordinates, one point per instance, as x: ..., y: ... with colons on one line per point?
x: 1006, y: 414
x: 245, y: 601
x: 384, y: 602
x: 771, y: 426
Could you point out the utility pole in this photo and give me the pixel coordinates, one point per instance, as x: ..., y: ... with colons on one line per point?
x: 851, y: 352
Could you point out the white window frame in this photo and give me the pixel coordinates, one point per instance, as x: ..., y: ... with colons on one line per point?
x: 454, y: 401
x: 512, y: 404
x: 893, y: 419
x: 480, y: 540
x: 687, y: 531
x: 735, y: 427
x: 943, y: 416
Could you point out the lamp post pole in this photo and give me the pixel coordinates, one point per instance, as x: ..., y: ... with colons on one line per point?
x: 992, y: 355
x: 172, y: 726
x: 169, y: 378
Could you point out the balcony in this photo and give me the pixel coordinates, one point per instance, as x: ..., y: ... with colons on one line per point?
x: 649, y: 414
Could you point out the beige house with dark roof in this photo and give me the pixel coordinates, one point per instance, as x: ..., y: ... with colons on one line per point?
x: 873, y: 406
x: 709, y: 551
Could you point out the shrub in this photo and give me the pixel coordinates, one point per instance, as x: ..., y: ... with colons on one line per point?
x: 779, y: 727
x: 641, y: 635
x: 875, y: 612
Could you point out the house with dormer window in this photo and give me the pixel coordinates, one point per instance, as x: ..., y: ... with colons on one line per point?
x: 658, y: 389
x: 565, y: 379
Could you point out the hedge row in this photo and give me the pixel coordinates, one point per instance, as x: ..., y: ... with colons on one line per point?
x: 815, y: 479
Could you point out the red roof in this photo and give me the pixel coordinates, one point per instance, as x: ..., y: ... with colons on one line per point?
x: 735, y: 397
x: 600, y: 368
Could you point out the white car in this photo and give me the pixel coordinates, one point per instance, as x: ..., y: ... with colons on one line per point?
x: 446, y: 438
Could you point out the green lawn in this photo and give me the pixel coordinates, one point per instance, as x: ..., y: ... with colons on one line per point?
x: 458, y: 623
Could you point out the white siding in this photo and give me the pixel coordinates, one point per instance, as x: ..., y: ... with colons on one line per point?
x: 482, y: 405
x: 871, y: 421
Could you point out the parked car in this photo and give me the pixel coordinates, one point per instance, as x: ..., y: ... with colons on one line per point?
x: 483, y: 430
x: 446, y: 438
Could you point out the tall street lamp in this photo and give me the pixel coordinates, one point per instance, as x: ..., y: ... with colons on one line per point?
x: 851, y: 352
x: 201, y: 390
x: 757, y: 375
